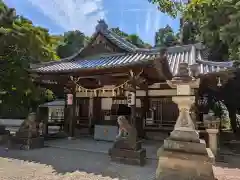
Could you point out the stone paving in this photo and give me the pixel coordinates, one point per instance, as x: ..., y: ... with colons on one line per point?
x: 69, y: 164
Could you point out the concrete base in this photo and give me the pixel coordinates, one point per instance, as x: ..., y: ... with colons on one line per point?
x: 184, y: 159
x: 122, y: 152
x: 128, y: 156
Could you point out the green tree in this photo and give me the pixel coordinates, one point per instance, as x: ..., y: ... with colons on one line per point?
x: 119, y: 32
x: 170, y: 7
x: 210, y: 16
x: 136, y: 40
x: 165, y: 37
x: 132, y: 38
x: 216, y: 24
x: 7, y: 15
x: 72, y: 42
x: 21, y: 44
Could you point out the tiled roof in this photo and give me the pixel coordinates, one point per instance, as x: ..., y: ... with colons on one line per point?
x: 190, y: 54
x: 101, y: 62
x: 119, y: 41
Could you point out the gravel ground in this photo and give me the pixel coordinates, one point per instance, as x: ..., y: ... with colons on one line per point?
x: 23, y: 170
x: 62, y: 164
x: 54, y: 163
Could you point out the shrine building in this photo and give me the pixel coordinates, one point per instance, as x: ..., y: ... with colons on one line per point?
x: 98, y: 78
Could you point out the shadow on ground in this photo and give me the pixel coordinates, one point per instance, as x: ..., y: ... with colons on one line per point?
x: 71, y: 160
x: 67, y: 161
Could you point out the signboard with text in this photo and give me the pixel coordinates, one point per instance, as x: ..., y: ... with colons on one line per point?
x: 131, y: 98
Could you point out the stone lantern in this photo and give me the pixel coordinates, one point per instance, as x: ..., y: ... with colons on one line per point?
x: 183, y: 155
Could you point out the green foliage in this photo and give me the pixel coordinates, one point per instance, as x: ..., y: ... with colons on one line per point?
x: 170, y: 7
x: 229, y: 31
x: 21, y: 44
x: 119, y: 32
x: 72, y: 42
x: 135, y: 39
x: 216, y: 24
x: 165, y: 37
x: 210, y: 16
x: 132, y: 38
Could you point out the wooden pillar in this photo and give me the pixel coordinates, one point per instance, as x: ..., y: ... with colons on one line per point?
x: 97, y: 110
x: 133, y: 107
x: 145, y: 103
x: 66, y: 112
x: 70, y: 112
x: 72, y: 116
x: 145, y: 109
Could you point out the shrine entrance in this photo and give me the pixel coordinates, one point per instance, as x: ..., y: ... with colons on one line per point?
x: 123, y: 110
x: 162, y: 114
x: 83, y: 113
x: 120, y: 108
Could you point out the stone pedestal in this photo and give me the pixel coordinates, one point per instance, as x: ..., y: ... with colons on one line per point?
x: 213, y: 140
x: 184, y: 165
x: 127, y: 148
x: 27, y: 143
x: 4, y: 134
x: 123, y: 153
x: 184, y: 155
x: 185, y: 158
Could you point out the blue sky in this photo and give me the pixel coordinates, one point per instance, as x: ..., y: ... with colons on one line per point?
x: 131, y: 16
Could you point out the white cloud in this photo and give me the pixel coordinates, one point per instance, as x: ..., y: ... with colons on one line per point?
x: 157, y: 22
x: 72, y: 14
x: 148, y: 21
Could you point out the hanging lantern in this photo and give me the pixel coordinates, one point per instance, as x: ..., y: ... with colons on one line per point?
x: 69, y: 99
x: 219, y: 84
x: 131, y: 98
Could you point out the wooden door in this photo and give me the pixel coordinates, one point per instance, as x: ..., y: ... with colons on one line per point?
x: 82, y: 112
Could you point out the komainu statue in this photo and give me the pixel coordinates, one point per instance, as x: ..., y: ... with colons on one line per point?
x: 127, y: 148
x: 127, y: 133
x: 28, y: 128
x: 28, y: 136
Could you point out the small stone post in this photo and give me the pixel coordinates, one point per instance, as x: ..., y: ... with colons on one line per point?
x: 213, y: 140
x: 212, y: 128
